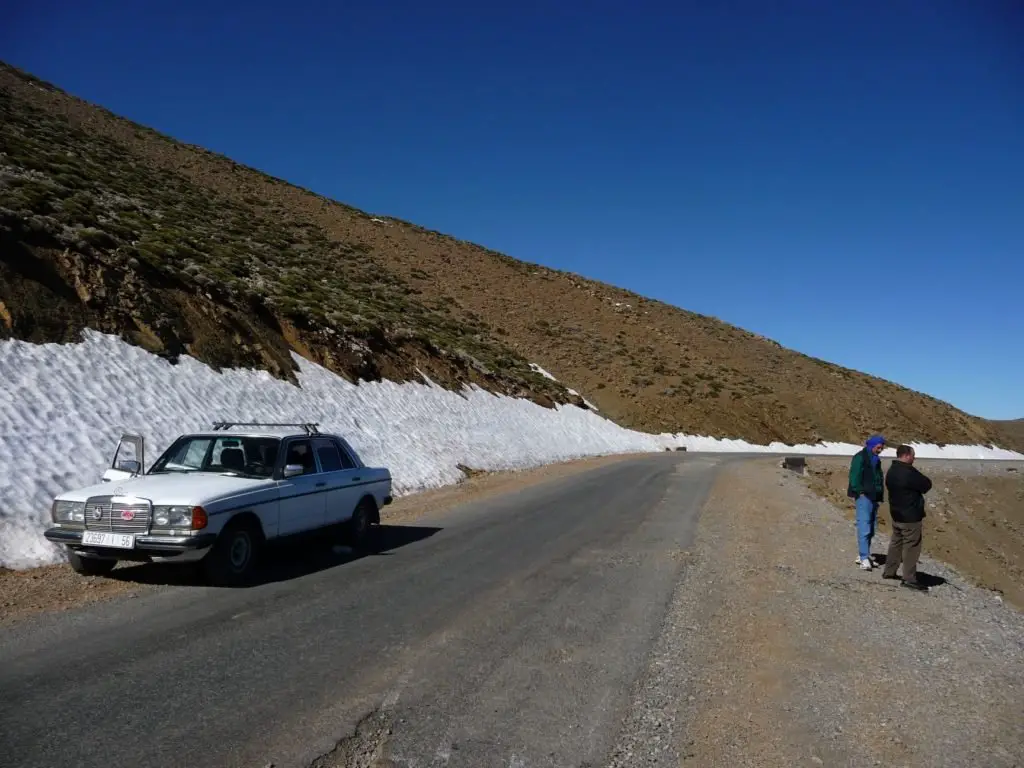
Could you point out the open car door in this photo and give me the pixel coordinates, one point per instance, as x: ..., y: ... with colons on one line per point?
x: 129, y: 458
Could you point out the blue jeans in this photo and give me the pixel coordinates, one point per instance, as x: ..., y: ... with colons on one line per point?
x: 867, y: 516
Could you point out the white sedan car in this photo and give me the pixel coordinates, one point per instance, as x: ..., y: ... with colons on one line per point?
x: 217, y: 497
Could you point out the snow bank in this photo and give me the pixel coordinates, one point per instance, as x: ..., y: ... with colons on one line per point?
x: 537, y: 369
x: 66, y: 404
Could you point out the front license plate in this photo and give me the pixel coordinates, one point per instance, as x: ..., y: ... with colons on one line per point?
x: 116, y: 540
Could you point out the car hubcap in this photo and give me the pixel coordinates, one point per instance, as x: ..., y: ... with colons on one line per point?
x: 240, y: 551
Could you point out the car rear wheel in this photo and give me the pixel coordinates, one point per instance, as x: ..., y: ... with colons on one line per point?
x: 90, y: 566
x: 232, y: 560
x: 358, y: 532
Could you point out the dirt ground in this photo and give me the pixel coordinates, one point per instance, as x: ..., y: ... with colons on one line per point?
x: 974, y: 516
x: 58, y: 588
x: 795, y: 657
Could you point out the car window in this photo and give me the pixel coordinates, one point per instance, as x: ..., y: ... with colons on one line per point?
x: 301, y: 452
x: 193, y: 452
x: 189, y: 453
x: 225, y: 453
x: 346, y: 460
x: 185, y: 455
x: 248, y: 456
x: 330, y: 457
x: 126, y: 451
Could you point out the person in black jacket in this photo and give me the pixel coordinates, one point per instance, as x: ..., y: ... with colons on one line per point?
x: 906, y: 486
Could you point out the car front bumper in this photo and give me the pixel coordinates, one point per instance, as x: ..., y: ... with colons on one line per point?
x: 147, y: 546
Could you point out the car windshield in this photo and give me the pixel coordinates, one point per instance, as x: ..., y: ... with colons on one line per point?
x: 242, y: 456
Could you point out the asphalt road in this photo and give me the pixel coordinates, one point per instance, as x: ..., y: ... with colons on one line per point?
x: 507, y: 632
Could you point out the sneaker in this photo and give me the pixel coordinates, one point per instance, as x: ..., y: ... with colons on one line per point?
x: 865, y: 564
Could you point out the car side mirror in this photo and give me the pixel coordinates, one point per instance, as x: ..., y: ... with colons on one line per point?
x: 291, y: 470
x: 130, y: 465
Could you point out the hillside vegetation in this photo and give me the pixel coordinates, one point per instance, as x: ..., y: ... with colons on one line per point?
x: 1012, y: 431
x: 109, y: 225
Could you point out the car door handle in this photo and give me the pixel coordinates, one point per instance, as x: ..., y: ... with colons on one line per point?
x: 321, y: 485
x: 355, y: 479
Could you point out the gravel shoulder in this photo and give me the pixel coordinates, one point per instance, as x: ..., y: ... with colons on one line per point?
x: 777, y: 651
x: 975, y: 516
x: 52, y: 588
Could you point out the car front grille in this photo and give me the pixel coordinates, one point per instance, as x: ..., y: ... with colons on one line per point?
x: 102, y: 513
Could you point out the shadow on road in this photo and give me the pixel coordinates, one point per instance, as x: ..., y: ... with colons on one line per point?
x: 929, y: 579
x: 923, y: 577
x: 283, y: 561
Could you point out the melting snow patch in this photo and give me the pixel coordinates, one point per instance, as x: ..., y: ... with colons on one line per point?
x: 586, y: 402
x: 537, y: 369
x: 66, y: 405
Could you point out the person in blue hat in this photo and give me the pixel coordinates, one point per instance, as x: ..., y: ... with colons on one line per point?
x: 867, y: 487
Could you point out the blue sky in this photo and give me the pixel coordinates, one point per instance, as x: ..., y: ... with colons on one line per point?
x: 847, y: 178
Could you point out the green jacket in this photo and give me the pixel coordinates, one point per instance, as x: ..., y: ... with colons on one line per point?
x: 865, y: 478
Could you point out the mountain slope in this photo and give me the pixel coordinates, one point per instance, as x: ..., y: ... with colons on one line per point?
x: 1012, y: 432
x: 95, y: 236
x: 108, y: 224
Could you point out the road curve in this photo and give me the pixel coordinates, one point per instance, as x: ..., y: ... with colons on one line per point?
x: 507, y: 632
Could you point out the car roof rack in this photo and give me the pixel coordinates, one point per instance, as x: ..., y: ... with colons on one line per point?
x: 309, y: 426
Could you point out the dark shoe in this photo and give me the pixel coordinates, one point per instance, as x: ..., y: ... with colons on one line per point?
x: 915, y: 585
x: 887, y: 576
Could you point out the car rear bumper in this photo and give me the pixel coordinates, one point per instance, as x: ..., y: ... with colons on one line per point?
x: 147, y: 546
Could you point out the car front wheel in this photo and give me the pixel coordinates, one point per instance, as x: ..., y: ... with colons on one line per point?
x: 232, y: 560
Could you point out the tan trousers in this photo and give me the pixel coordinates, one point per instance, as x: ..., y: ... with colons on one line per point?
x: 905, y: 547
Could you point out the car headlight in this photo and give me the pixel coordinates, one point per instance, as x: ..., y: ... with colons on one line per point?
x: 172, y: 516
x: 68, y: 511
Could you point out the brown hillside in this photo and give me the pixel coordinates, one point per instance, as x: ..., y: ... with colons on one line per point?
x: 114, y: 226
x: 1011, y: 432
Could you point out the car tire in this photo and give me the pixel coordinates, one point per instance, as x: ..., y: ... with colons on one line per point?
x: 232, y: 560
x: 90, y: 566
x: 358, y: 531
